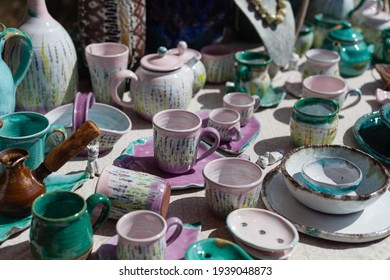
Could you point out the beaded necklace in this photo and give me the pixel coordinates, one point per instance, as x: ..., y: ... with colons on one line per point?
x: 276, y: 18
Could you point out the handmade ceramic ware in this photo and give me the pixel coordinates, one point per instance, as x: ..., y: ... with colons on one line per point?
x: 11, y: 78
x: 243, y: 103
x: 62, y: 227
x: 384, y: 114
x: 176, y: 137
x: 305, y: 38
x: 355, y: 54
x: 359, y: 227
x: 130, y: 190
x: 230, y: 184
x: 215, y: 249
x: 30, y: 131
x: 218, y: 60
x: 322, y: 25
x: 314, y: 121
x: 227, y: 122
x: 104, y: 60
x: 375, y: 181
x: 321, y: 62
x: 193, y: 59
x: 331, y: 175
x: 266, y: 233
x: 332, y: 88
x: 142, y: 235
x: 382, y: 96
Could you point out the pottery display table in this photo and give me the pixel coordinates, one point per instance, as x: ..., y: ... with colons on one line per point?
x: 189, y: 204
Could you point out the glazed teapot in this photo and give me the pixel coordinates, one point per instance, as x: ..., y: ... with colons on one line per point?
x: 355, y: 54
x: 13, y: 72
x: 161, y: 82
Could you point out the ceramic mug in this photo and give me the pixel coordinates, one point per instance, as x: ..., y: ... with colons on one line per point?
x: 130, y: 190
x: 218, y: 60
x: 104, y: 60
x: 176, y: 137
x: 227, y: 122
x: 243, y: 103
x: 230, y: 184
x: 30, y: 131
x: 142, y: 235
x: 61, y: 226
x: 321, y: 62
x: 332, y: 88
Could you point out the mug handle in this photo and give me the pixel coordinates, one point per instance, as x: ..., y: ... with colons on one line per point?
x: 217, y: 139
x: 358, y: 94
x: 82, y: 102
x: 257, y: 102
x: 242, y: 73
x: 54, y: 136
x: 95, y: 200
x: 174, y: 221
x: 235, y: 134
x: 117, y: 78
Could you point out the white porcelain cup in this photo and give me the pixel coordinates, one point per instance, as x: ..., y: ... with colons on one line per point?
x: 227, y: 122
x: 243, y: 103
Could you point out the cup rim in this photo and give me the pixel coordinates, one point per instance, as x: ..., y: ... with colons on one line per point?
x: 249, y: 97
x: 216, y: 110
x: 315, y: 100
x: 158, y: 125
x: 249, y: 55
x: 321, y: 93
x: 88, y: 49
x: 334, y: 56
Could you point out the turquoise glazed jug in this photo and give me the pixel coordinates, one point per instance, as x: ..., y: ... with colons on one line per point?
x: 11, y: 79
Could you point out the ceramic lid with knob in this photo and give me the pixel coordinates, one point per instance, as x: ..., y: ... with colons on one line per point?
x: 161, y: 61
x: 184, y: 52
x: 346, y: 34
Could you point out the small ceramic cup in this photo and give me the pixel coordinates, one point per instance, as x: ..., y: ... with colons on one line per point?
x: 218, y: 60
x: 230, y: 184
x: 62, y: 227
x: 321, y: 62
x: 176, y: 137
x: 142, y: 235
x: 227, y: 122
x: 332, y: 88
x: 243, y: 103
x: 131, y: 190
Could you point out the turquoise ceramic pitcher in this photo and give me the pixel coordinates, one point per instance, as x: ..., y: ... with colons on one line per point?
x: 12, y: 74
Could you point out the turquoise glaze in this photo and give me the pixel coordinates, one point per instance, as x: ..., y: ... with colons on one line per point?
x: 384, y: 114
x: 216, y: 249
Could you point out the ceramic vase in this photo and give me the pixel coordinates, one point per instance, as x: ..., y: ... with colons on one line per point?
x: 120, y: 21
x: 52, y: 78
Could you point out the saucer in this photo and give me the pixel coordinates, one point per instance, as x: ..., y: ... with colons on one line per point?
x: 372, y: 136
x: 175, y: 251
x: 138, y: 156
x: 357, y: 227
x: 272, y: 98
x: 67, y: 182
x: 249, y: 134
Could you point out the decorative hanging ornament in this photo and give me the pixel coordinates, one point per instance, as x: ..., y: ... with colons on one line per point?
x: 276, y: 18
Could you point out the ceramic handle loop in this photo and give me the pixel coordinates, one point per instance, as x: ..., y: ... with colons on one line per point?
x: 116, y: 81
x: 241, y: 74
x: 93, y: 201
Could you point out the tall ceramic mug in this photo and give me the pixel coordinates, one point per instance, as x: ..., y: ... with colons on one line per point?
x: 61, y: 226
x: 176, y: 137
x: 30, y: 131
x: 104, y: 60
x: 243, y: 103
x: 321, y: 62
x: 130, y: 190
x: 332, y: 88
x: 142, y: 235
x: 252, y: 73
x: 218, y: 60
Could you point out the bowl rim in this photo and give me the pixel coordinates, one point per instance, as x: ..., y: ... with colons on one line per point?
x: 339, y: 197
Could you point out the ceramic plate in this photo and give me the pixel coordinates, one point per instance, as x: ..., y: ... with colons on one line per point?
x: 272, y: 98
x: 249, y: 134
x: 262, y: 255
x: 371, y: 224
x: 175, y: 251
x: 139, y: 157
x: 372, y: 136
x: 53, y: 182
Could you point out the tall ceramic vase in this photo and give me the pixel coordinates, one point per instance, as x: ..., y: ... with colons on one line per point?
x: 52, y: 79
x: 120, y: 21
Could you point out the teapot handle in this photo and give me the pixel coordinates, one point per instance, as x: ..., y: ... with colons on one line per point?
x: 116, y: 81
x: 18, y: 56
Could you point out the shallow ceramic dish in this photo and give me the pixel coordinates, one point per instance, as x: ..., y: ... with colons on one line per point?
x: 215, y: 249
x: 138, y: 156
x: 249, y: 133
x: 272, y: 98
x: 372, y: 136
x: 175, y: 251
x: 375, y: 181
x: 112, y: 122
x: 267, y: 233
x: 331, y: 175
x: 371, y: 224
x: 384, y: 114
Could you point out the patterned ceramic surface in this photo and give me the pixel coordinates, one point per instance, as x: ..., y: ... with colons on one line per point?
x: 243, y: 103
x: 321, y: 62
x: 227, y: 122
x: 219, y: 63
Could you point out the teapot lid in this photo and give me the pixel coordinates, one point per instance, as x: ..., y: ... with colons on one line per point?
x: 346, y: 33
x: 161, y: 61
x: 184, y: 52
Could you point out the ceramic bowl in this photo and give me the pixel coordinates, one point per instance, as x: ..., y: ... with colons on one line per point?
x: 375, y: 181
x: 331, y: 175
x: 112, y: 122
x: 262, y: 233
x: 384, y: 114
x: 215, y: 249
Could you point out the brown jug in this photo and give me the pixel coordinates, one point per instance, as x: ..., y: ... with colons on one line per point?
x: 19, y: 186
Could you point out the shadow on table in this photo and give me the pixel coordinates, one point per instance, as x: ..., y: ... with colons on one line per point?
x: 281, y: 144
x: 211, y: 100
x: 20, y: 251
